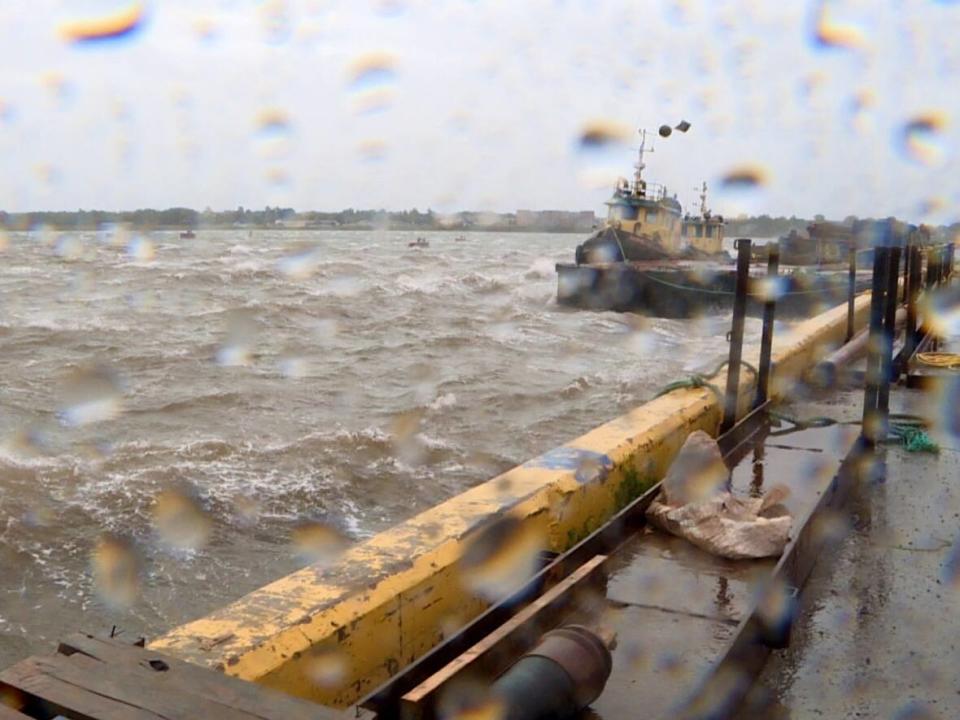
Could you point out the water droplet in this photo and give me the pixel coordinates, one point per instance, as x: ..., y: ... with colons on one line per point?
x: 372, y: 150
x: 921, y: 138
x: 745, y: 177
x: 372, y: 82
x: 246, y: 509
x: 237, y: 350
x: 300, y: 266
x: 600, y: 133
x: 276, y: 21
x: 179, y: 520
x: 832, y: 32
x: 768, y: 289
x: 116, y: 570
x: 469, y: 699
x: 328, y: 668
x: 90, y: 395
x: 273, y: 122
x: 318, y: 543
x: 603, y: 151
x: 915, y: 710
x: 140, y: 249
x: 294, y: 368
x: 115, y: 19
x: 500, y: 557
x: 69, y: 247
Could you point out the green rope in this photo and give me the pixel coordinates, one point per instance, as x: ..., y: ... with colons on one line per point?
x: 913, y: 438
x: 907, y: 430
x: 697, y: 380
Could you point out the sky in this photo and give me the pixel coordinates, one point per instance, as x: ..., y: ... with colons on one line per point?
x: 834, y: 108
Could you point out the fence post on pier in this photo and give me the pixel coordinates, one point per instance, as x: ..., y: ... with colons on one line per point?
x: 766, y: 337
x: 887, y: 374
x: 736, y: 335
x: 851, y: 289
x: 906, y: 269
x: 914, y: 261
x: 871, y: 420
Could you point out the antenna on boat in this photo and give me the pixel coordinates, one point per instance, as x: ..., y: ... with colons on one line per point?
x: 638, y: 182
x: 703, y: 199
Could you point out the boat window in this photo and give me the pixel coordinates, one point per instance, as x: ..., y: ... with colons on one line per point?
x: 683, y: 230
x: 623, y: 212
x: 699, y: 230
x: 709, y: 230
x: 651, y: 215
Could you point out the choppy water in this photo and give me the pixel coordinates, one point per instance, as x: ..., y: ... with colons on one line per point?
x: 276, y: 383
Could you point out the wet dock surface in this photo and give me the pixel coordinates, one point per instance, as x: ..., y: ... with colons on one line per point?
x: 676, y: 608
x: 878, y: 635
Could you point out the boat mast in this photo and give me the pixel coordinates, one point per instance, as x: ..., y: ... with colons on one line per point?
x: 639, y: 186
x: 703, y: 199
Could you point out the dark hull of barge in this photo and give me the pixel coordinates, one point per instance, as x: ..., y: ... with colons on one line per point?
x: 692, y: 290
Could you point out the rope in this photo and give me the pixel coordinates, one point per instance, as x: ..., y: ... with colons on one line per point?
x: 698, y: 380
x: 708, y: 291
x: 907, y: 430
x: 940, y: 359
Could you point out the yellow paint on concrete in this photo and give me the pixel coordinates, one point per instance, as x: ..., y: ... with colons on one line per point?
x: 393, y: 597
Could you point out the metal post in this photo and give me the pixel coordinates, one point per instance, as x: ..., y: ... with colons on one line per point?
x: 872, y: 380
x: 906, y: 269
x: 766, y: 336
x: 889, y: 333
x: 913, y: 282
x: 931, y: 268
x: 851, y: 289
x: 736, y: 335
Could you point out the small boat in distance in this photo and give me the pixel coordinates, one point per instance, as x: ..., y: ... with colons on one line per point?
x: 460, y: 238
x: 187, y: 235
x: 420, y: 242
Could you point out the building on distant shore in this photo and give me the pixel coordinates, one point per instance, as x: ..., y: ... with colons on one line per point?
x: 574, y: 220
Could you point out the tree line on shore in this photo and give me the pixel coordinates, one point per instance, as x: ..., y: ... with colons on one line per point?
x: 276, y: 217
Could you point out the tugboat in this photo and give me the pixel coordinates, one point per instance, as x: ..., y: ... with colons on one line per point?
x: 187, y: 235
x: 644, y: 222
x: 420, y: 242
x: 651, y: 258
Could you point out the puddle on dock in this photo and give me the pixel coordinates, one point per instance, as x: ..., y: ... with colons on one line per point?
x: 676, y: 608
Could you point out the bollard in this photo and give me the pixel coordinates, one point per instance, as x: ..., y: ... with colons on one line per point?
x: 766, y: 336
x: 736, y: 335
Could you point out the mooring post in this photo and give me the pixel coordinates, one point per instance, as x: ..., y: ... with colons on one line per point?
x: 870, y: 426
x: 766, y: 336
x: 736, y: 335
x: 852, y: 288
x: 887, y: 374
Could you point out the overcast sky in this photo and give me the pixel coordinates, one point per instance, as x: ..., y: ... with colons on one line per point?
x: 456, y: 104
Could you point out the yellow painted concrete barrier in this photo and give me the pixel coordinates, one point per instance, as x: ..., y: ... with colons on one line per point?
x: 334, y: 634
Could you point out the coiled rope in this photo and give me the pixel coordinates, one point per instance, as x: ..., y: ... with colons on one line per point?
x: 907, y: 430
x: 940, y: 359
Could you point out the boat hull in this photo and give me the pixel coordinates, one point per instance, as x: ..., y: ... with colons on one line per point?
x: 692, y: 290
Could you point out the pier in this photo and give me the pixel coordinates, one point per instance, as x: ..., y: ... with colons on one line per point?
x: 696, y: 636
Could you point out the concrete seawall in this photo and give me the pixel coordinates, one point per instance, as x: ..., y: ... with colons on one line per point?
x: 390, y: 599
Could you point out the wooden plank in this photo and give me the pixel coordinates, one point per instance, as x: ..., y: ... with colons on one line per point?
x: 159, y: 695
x: 8, y: 713
x: 243, y: 696
x: 67, y: 699
x: 537, y: 610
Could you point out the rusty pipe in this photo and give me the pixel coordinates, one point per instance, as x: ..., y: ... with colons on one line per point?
x: 562, y: 675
